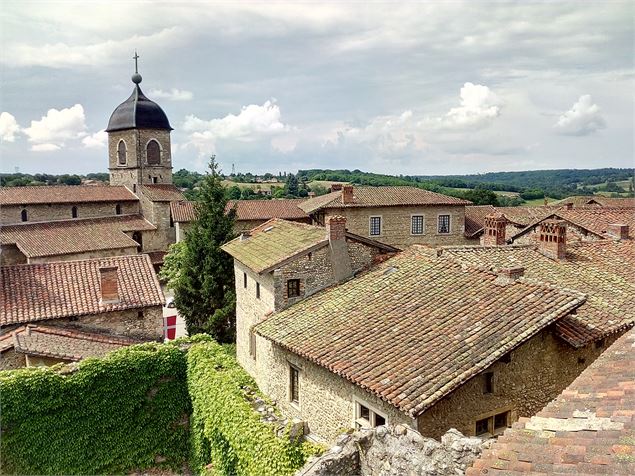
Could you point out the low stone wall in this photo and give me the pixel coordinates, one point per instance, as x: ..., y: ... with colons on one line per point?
x: 396, y: 451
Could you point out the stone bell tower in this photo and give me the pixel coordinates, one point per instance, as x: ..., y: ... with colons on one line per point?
x: 139, y: 150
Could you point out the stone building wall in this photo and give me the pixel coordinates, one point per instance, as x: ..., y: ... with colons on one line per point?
x: 62, y: 211
x: 84, y: 255
x: 396, y: 224
x: 157, y: 213
x: 180, y: 229
x: 10, y: 359
x: 539, y: 370
x: 10, y: 255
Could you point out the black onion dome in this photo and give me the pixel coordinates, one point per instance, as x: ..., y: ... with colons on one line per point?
x: 138, y: 112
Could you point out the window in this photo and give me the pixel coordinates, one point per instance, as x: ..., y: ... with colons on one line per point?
x: 118, y: 209
x: 136, y: 236
x: 74, y: 212
x: 309, y: 256
x: 375, y: 226
x: 293, y: 288
x: 245, y: 280
x: 444, y: 224
x: 140, y: 315
x: 134, y: 188
x: 507, y: 358
x: 252, y: 344
x: 500, y: 420
x: 155, y: 180
x: 153, y: 153
x: 294, y: 385
x: 366, y: 417
x: 121, y: 152
x: 24, y: 215
x: 257, y: 290
x: 416, y: 227
x: 488, y: 382
x: 482, y: 426
x: 492, y: 425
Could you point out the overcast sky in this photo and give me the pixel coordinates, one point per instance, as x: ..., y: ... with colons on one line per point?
x: 412, y: 88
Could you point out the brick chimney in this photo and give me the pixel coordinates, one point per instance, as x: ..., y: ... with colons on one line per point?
x: 568, y: 206
x: 108, y: 285
x: 619, y: 231
x: 311, y: 194
x: 494, y: 230
x: 509, y: 275
x: 336, y: 187
x: 553, y: 238
x: 347, y: 194
x: 340, y: 259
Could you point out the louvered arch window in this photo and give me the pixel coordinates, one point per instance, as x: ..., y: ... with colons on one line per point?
x: 153, y: 153
x: 121, y: 153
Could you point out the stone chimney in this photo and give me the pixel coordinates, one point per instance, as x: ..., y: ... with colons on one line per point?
x: 311, y: 194
x: 340, y: 259
x: 553, y: 238
x: 509, y: 275
x: 619, y: 231
x: 336, y: 187
x: 108, y: 284
x: 347, y: 194
x: 494, y: 230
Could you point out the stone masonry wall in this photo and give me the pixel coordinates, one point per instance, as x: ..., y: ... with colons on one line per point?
x: 85, y: 255
x: 10, y: 254
x: 10, y: 359
x: 157, y: 213
x: 396, y: 224
x: 575, y: 234
x: 58, y: 211
x: 539, y: 370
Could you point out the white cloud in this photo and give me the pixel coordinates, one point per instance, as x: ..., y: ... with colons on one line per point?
x: 98, y: 140
x: 44, y: 147
x: 8, y: 127
x: 57, y: 127
x: 171, y: 95
x: 253, y: 123
x: 479, y: 106
x: 582, y: 119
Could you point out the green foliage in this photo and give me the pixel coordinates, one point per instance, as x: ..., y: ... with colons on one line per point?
x: 109, y: 416
x: 233, y: 192
x: 291, y: 188
x: 481, y: 196
x: 198, y: 271
x: 227, y: 436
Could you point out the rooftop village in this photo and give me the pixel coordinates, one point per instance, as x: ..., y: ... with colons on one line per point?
x: 363, y: 308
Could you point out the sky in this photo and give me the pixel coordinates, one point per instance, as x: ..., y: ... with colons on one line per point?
x: 428, y: 88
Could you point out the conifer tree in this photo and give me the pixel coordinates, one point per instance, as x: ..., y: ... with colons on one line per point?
x: 198, y: 271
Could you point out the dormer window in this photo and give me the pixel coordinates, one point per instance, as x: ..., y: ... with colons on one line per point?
x: 121, y: 153
x: 153, y: 153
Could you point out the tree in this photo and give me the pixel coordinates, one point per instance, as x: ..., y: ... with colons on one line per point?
x: 198, y: 271
x: 291, y: 187
x: 233, y: 192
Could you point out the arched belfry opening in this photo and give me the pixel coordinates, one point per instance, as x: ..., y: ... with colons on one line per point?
x: 153, y: 153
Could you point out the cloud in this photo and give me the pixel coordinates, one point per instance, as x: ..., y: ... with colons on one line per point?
x: 98, y: 140
x: 171, y: 95
x: 582, y: 119
x: 253, y: 123
x: 8, y: 127
x: 58, y: 126
x: 479, y: 106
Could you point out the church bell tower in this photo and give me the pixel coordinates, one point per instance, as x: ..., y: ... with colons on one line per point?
x: 139, y: 150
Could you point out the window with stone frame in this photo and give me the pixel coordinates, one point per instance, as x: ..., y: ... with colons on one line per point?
x: 374, y: 226
x: 153, y: 153
x: 294, y: 384
x: 293, y: 288
x: 367, y: 417
x: 121, y: 153
x: 416, y: 225
x: 443, y: 224
x: 493, y: 425
x: 245, y: 280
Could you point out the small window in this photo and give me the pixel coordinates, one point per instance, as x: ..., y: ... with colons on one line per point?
x: 153, y: 153
x: 309, y: 256
x: 482, y: 427
x: 293, y: 288
x: 74, y: 212
x: 488, y: 383
x: 245, y: 280
x: 252, y: 344
x: 501, y: 420
x: 294, y: 385
x: 257, y: 290
x: 134, y: 188
x: 507, y: 358
x: 24, y: 215
x: 444, y: 224
x: 118, y: 209
x: 365, y: 417
x: 375, y: 226
x: 155, y: 179
x: 416, y: 227
x: 140, y: 315
x: 121, y: 152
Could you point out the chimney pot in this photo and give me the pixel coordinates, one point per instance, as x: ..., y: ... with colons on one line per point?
x: 336, y: 228
x: 336, y: 187
x: 510, y: 275
x: 109, y: 285
x: 347, y: 194
x: 569, y: 206
x: 619, y: 231
x: 553, y: 238
x: 494, y: 230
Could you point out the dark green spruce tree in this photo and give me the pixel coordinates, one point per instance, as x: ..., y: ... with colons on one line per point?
x: 198, y: 271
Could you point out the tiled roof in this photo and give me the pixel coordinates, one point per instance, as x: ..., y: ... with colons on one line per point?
x: 475, y: 218
x: 589, y: 429
x: 65, y: 194
x: 585, y: 200
x: 414, y: 328
x: 156, y: 257
x: 286, y: 209
x: 162, y: 193
x: 523, y: 216
x: 381, y: 197
x: 62, y: 343
x: 182, y: 212
x: 73, y: 236
x: 34, y: 292
x: 603, y: 270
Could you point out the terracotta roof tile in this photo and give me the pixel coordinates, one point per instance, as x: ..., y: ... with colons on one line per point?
x: 286, y: 209
x: 414, y: 328
x: 588, y: 429
x: 34, y: 292
x: 182, y: 212
x: 596, y: 200
x: 475, y: 218
x: 381, y: 197
x: 162, y: 193
x: 603, y: 270
x: 65, y: 194
x: 73, y: 236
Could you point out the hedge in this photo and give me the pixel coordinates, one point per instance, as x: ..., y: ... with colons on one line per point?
x: 109, y: 416
x: 227, y: 436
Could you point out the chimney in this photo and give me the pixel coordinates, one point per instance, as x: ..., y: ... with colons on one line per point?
x: 569, y: 206
x: 619, y: 231
x: 336, y: 187
x: 494, y: 230
x: 509, y: 275
x: 347, y: 194
x: 109, y: 285
x: 311, y: 194
x: 340, y: 259
x: 553, y: 238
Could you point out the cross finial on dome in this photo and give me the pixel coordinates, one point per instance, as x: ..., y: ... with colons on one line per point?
x: 136, y: 77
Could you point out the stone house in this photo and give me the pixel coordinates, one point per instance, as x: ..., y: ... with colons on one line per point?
x: 587, y: 201
x: 398, y: 216
x: 68, y: 310
x: 280, y: 263
x: 466, y: 337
